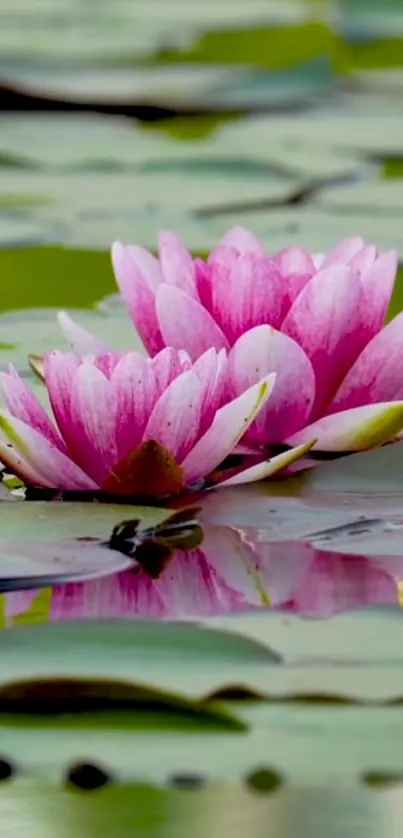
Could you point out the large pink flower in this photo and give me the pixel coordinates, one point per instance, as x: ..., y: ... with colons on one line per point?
x: 127, y: 424
x: 315, y: 320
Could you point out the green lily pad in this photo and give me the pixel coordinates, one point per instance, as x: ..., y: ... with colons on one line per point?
x: 141, y: 652
x: 160, y: 813
x: 315, y: 227
x: 43, y: 520
x: 51, y: 543
x: 22, y: 232
x: 314, y: 742
x: 53, y: 276
x: 37, y: 331
x: 373, y: 199
x: 372, y: 637
x: 373, y: 473
x: 274, y: 47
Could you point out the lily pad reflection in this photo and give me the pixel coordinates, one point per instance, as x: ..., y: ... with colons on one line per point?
x: 230, y: 571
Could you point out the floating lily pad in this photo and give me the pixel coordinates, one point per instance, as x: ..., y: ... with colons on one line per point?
x: 27, y: 565
x: 369, y: 199
x: 349, y: 740
x: 38, y: 331
x: 22, y: 232
x: 315, y: 228
x: 47, y: 543
x: 188, y: 807
x: 43, y: 521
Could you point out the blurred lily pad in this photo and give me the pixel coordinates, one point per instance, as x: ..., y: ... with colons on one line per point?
x: 274, y: 47
x: 237, y: 808
x: 153, y: 742
x: 123, y: 32
x: 22, y: 232
x: 368, y: 199
x: 37, y: 331
x: 317, y: 229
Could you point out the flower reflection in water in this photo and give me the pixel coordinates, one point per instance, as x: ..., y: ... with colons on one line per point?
x: 233, y: 570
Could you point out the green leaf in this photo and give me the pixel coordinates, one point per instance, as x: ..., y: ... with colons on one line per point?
x: 123, y: 811
x: 142, y: 652
x: 265, y: 47
x: 40, y: 542
x: 37, y: 331
x: 375, y: 473
x: 53, y: 276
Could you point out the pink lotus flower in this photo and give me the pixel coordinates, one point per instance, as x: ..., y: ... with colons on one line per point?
x: 126, y: 424
x: 314, y: 320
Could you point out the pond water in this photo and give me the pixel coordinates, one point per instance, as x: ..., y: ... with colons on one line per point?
x: 283, y: 117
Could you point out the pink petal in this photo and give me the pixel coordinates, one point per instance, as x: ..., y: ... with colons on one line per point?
x: 256, y: 354
x: 41, y: 456
x: 364, y: 259
x: 107, y: 362
x: 185, y: 324
x: 296, y: 267
x: 176, y: 263
x: 127, y: 594
x: 234, y: 561
x: 242, y: 240
x: 250, y: 293
x: 167, y: 365
x: 344, y: 252
x: 174, y: 422
x: 337, y: 583
x: 318, y: 260
x: 224, y: 257
x: 93, y: 417
x: 23, y: 404
x: 294, y: 284
x: 268, y: 468
x: 135, y: 390
x: 376, y: 376
x: 357, y: 429
x: 191, y: 587
x: 16, y: 464
x: 146, y: 264
x: 282, y: 566
x: 211, y: 370
x: 325, y: 320
x: 203, y: 273
x: 139, y: 298
x: 81, y: 341
x: 294, y: 260
x: 377, y: 285
x: 60, y: 369
x: 229, y: 425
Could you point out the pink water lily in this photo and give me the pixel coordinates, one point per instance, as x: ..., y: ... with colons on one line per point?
x: 127, y: 424
x: 316, y: 320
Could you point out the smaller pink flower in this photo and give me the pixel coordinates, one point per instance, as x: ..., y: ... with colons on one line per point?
x: 126, y: 424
